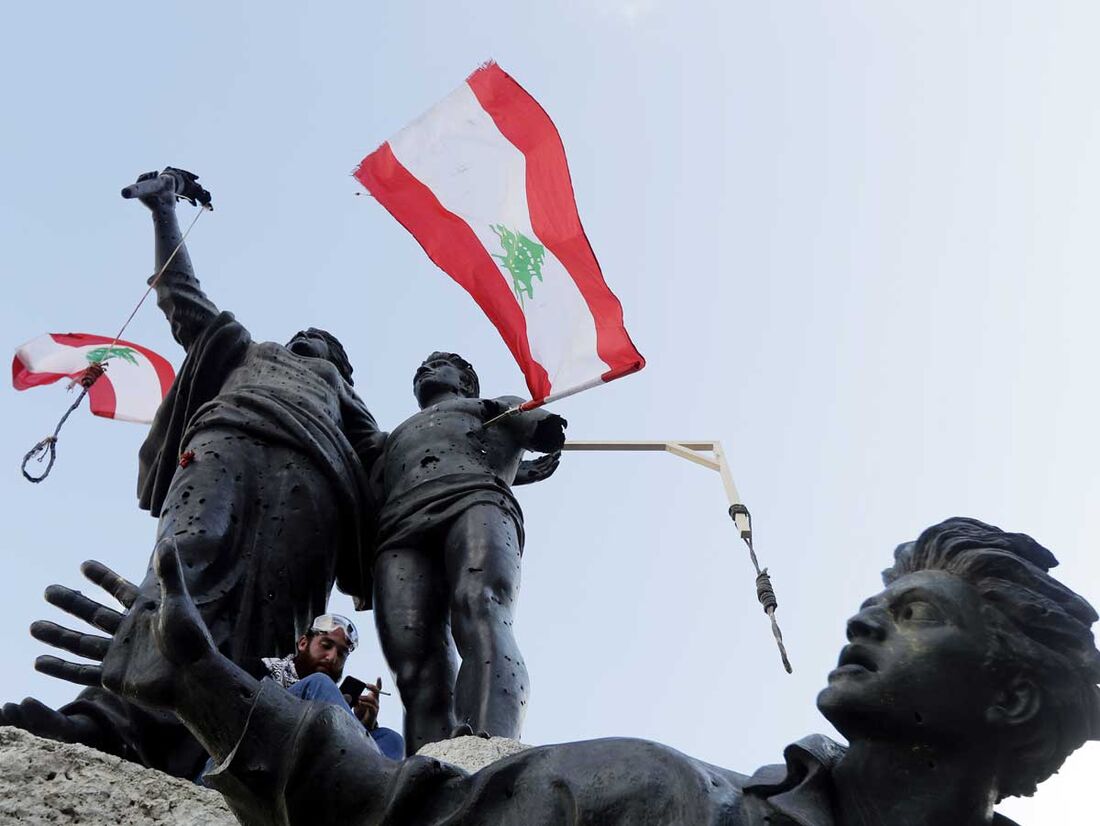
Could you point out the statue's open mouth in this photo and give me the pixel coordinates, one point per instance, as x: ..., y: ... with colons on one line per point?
x: 858, y: 656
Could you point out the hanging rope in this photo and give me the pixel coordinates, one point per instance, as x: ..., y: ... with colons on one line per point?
x: 48, y: 446
x: 765, y: 592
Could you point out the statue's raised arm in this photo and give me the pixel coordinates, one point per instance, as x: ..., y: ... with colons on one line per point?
x: 179, y: 295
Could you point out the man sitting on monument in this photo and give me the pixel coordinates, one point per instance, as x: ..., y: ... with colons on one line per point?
x: 254, y: 465
x: 448, y: 551
x: 314, y: 669
x: 968, y: 679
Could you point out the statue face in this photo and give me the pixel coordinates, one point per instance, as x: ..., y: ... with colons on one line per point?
x: 309, y: 346
x: 915, y: 666
x: 437, y: 376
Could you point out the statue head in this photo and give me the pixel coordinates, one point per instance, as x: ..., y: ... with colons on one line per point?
x: 972, y: 645
x: 444, y: 373
x: 321, y: 344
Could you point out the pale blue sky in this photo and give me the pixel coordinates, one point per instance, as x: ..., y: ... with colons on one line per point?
x: 855, y: 241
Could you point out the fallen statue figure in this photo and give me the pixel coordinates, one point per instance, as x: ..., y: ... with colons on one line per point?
x: 969, y: 678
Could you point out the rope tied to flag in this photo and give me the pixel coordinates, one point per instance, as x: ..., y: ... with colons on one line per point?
x: 91, y: 374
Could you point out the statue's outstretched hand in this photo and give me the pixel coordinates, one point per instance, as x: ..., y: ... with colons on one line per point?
x: 150, y: 673
x: 90, y: 646
x: 535, y: 470
x: 38, y: 718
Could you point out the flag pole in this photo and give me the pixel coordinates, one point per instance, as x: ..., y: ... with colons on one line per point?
x: 742, y: 519
x: 534, y: 404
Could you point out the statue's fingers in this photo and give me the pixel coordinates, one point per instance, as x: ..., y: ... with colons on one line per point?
x: 121, y: 589
x: 166, y: 562
x: 45, y: 721
x: 12, y: 715
x: 180, y: 632
x: 81, y: 607
x: 83, y: 645
x: 72, y: 672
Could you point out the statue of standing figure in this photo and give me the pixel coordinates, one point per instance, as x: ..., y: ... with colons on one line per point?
x: 447, y: 560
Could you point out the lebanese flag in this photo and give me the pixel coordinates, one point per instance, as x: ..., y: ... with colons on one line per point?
x: 134, y: 384
x: 482, y: 183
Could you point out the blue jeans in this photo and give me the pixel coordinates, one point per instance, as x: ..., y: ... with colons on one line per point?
x: 320, y: 687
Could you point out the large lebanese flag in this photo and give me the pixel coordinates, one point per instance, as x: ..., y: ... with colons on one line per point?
x: 481, y: 181
x: 134, y: 384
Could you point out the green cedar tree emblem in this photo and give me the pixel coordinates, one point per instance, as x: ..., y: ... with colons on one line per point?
x: 101, y: 354
x: 522, y: 258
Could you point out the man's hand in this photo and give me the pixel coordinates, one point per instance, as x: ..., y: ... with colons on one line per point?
x: 535, y: 470
x: 366, y: 707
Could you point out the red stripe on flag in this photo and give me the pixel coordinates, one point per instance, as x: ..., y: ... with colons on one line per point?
x: 453, y: 246
x: 101, y: 395
x: 101, y: 398
x: 23, y: 379
x: 553, y: 208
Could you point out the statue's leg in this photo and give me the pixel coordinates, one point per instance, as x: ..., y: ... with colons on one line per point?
x: 482, y: 555
x: 410, y: 612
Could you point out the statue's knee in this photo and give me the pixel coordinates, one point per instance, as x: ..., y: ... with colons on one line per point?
x: 480, y: 602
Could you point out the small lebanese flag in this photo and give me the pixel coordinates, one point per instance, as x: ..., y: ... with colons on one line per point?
x: 132, y: 388
x: 481, y: 181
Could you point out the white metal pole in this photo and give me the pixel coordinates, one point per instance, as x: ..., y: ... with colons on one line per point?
x: 693, y: 451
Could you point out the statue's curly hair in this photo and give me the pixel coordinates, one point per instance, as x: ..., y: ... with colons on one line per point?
x: 336, y: 353
x: 470, y: 384
x: 1040, y: 629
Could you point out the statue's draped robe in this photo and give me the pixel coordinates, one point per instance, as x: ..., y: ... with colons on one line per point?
x: 305, y: 763
x: 418, y: 516
x: 267, y: 513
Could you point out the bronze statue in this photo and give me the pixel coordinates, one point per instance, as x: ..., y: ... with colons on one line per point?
x: 253, y: 466
x: 449, y: 545
x: 257, y: 465
x: 968, y: 679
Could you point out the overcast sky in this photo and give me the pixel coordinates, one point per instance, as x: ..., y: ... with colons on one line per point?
x: 855, y: 241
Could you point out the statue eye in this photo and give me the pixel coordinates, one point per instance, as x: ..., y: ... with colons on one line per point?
x: 920, y: 611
